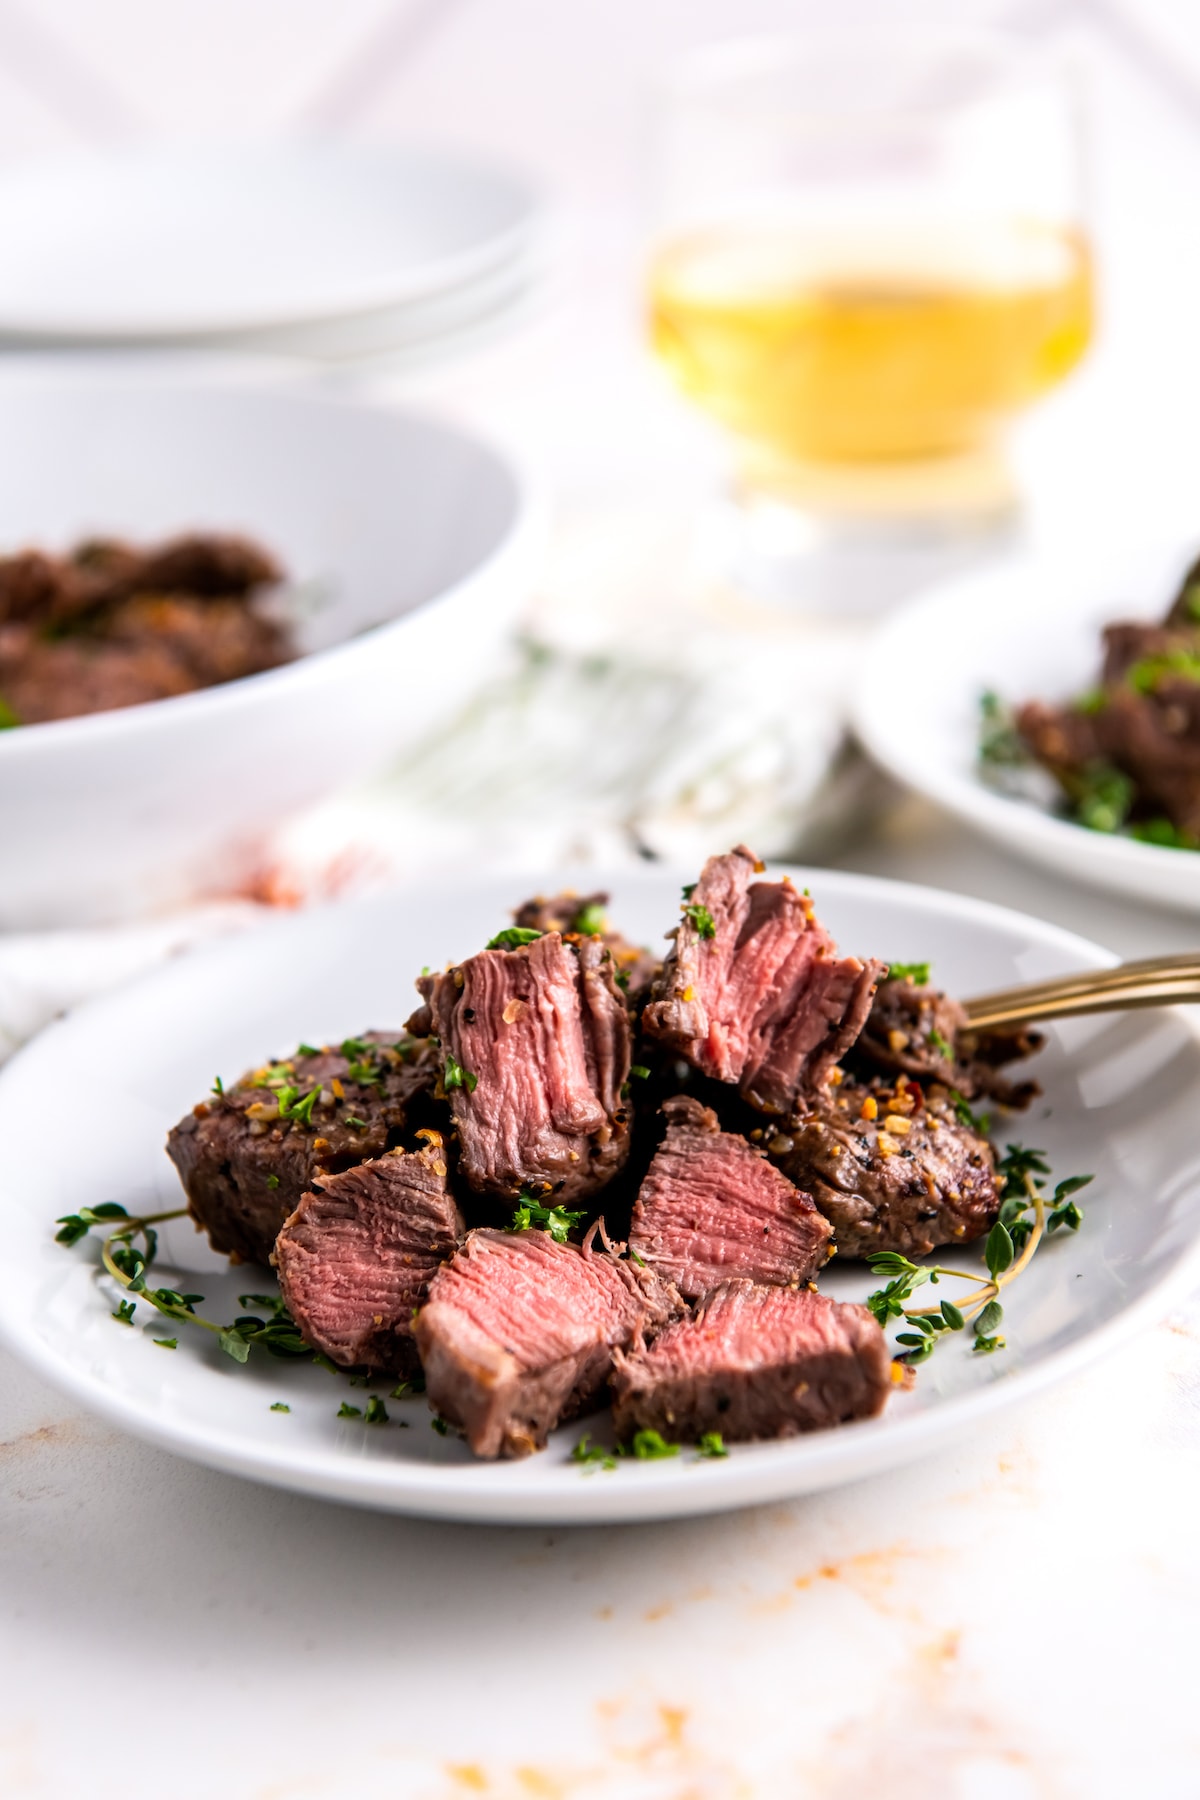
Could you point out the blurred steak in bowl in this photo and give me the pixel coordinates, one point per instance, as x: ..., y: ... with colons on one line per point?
x: 408, y: 544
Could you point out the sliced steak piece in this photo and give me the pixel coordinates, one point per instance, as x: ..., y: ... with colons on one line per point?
x: 754, y: 991
x: 246, y: 1155
x: 356, y: 1257
x: 586, y: 915
x: 891, y: 1168
x: 519, y: 1333
x: 711, y: 1208
x: 921, y: 1032
x: 536, y: 1042
x: 754, y: 1362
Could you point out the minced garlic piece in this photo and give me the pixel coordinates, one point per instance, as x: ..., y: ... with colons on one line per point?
x: 897, y: 1041
x: 689, y: 993
x: 897, y: 1123
x: 885, y: 1145
x: 513, y: 1011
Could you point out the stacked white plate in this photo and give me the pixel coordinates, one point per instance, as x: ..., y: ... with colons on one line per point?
x: 334, y: 251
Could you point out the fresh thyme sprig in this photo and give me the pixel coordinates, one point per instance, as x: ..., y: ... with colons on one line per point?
x: 128, y: 1264
x: 1007, y: 1253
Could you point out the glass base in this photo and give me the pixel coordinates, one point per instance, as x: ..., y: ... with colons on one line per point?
x: 856, y: 540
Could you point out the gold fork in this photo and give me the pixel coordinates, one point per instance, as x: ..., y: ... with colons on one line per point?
x: 1159, y: 981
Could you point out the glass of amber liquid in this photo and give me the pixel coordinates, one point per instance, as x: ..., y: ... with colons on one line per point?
x: 869, y: 257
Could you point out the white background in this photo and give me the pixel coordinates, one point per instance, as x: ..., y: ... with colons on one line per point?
x: 1012, y: 1621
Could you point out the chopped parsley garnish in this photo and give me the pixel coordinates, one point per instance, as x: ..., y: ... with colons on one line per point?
x: 711, y: 1444
x: 218, y: 1087
x: 916, y: 972
x: 590, y: 920
x: 280, y: 1406
x: 689, y: 889
x: 941, y: 1044
x: 376, y: 1413
x: 980, y: 1122
x: 167, y: 1343
x: 346, y: 1411
x: 1164, y: 834
x: 530, y: 1214
x: 1102, y: 797
x: 701, y: 919
x: 455, y: 1076
x: 1094, y: 701
x: 124, y: 1313
x: 639, y: 1072
x: 648, y: 1446
x: 512, y: 937
x: 592, y: 1455
x: 358, y: 1124
x: 301, y: 1109
x: 8, y: 718
x: 1000, y: 743
x: 307, y: 1050
x: 438, y: 1424
x: 272, y: 1182
x: 1145, y: 676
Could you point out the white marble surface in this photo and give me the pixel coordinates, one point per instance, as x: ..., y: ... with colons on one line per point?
x: 1016, y: 1621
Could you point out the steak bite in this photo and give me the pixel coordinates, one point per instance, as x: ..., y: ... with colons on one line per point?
x: 586, y: 915
x: 753, y: 991
x: 711, y: 1207
x: 356, y: 1257
x: 917, y: 1030
x: 754, y: 1362
x: 519, y: 1333
x: 248, y: 1153
x: 536, y: 1047
x: 891, y: 1168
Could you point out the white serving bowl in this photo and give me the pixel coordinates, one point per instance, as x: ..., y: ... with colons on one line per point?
x: 1028, y: 630
x: 414, y: 539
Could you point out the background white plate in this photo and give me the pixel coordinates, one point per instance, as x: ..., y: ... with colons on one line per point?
x: 412, y: 543
x: 84, y: 1109
x: 199, y: 240
x: 1029, y: 631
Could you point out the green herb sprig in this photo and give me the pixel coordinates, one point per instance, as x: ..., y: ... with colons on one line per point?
x: 916, y: 972
x: 700, y: 919
x: 455, y: 1076
x: 1025, y: 1217
x: 513, y: 937
x: 530, y: 1214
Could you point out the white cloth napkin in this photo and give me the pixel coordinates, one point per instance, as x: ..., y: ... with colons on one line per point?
x: 646, y: 712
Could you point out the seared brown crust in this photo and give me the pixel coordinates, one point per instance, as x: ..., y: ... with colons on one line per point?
x: 244, y: 1171
x: 754, y: 1362
x: 923, y: 1033
x: 925, y: 1180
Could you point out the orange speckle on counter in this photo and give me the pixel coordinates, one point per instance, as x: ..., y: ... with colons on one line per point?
x: 469, y: 1776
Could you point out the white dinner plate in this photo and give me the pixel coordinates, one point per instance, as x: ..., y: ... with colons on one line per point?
x: 1029, y: 630
x: 84, y: 1110
x: 206, y: 240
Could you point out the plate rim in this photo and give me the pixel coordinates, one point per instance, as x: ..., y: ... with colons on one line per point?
x: 493, y: 1493
x: 437, y: 276
x: 970, y: 799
